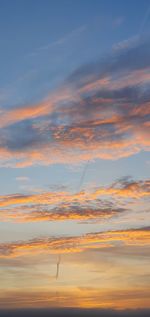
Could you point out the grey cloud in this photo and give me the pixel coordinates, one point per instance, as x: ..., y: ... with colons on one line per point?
x: 134, y: 56
x: 88, y: 124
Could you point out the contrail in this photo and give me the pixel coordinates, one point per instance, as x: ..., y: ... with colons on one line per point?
x: 58, y: 264
x: 145, y: 19
x: 83, y: 175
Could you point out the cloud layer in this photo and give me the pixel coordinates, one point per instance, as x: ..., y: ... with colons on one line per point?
x: 97, y: 203
x: 101, y: 111
x: 58, y: 245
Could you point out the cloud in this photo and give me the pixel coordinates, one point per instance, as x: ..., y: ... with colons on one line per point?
x: 127, y: 188
x: 22, y: 178
x: 124, y: 187
x: 68, y: 212
x: 61, y: 41
x: 80, y: 301
x: 77, y: 302
x: 97, y: 203
x: 73, y: 244
x: 118, y: 21
x: 101, y: 111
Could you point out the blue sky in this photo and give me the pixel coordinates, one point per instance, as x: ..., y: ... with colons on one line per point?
x: 74, y: 146
x: 28, y: 29
x: 42, y: 45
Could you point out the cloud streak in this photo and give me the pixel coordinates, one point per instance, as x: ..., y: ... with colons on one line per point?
x: 97, y: 203
x: 78, y: 298
x: 77, y: 213
x: 60, y: 245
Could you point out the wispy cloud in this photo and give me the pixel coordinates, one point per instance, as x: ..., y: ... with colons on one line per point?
x: 63, y: 212
x: 76, y: 243
x: 80, y: 299
x: 22, y: 178
x: 61, y: 41
x: 97, y: 203
x: 121, y: 188
x: 118, y: 21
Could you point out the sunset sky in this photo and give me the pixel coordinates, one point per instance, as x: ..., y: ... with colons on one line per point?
x: 74, y: 154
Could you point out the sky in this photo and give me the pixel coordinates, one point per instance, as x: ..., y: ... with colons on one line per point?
x: 74, y: 154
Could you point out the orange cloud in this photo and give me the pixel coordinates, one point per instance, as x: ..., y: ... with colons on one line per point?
x: 25, y: 112
x: 101, y: 111
x: 84, y: 205
x: 59, y: 214
x: 135, y: 77
x: 77, y: 243
x: 84, y: 141
x: 48, y: 106
x: 132, y: 189
x: 121, y: 188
